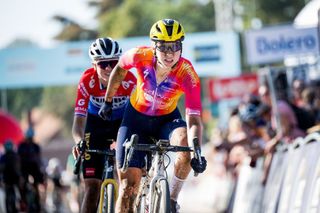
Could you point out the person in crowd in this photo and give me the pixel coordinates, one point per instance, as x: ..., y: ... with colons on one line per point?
x: 10, y: 171
x: 287, y: 118
x: 32, y: 168
x: 88, y: 128
x: 75, y: 185
x: 298, y: 85
x: 285, y: 130
x: 55, y: 187
x: 163, y: 76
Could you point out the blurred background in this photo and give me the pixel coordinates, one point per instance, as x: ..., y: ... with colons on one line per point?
x: 234, y: 45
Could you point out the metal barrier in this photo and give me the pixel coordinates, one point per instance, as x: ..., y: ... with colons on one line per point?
x: 293, y: 183
x: 274, y: 181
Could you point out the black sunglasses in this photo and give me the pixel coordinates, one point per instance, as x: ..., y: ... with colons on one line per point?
x: 166, y: 47
x: 104, y: 64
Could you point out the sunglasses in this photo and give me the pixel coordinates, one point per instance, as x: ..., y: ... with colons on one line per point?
x: 166, y: 47
x: 104, y: 64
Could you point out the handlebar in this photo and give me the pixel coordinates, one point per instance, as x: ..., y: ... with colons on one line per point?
x: 129, y: 151
x: 160, y: 146
x: 197, y: 151
x: 108, y: 152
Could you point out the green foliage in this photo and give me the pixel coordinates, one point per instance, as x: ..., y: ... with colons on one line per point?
x: 60, y: 102
x: 20, y: 101
x: 135, y: 18
x: 280, y: 11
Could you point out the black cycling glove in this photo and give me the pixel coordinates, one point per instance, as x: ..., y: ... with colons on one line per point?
x: 106, y: 111
x: 197, y: 167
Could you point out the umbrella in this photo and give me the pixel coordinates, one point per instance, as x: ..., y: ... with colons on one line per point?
x: 10, y: 128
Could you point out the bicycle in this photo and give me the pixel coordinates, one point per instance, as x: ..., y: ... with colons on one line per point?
x: 154, y: 195
x: 109, y: 186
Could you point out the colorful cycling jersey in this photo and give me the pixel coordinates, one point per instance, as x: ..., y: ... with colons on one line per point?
x: 91, y: 92
x: 155, y: 99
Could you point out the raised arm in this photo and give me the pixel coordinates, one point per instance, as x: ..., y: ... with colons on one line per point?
x: 116, y: 77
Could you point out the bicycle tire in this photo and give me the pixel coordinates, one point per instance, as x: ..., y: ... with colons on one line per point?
x: 161, y: 197
x: 111, y: 196
x: 141, y: 205
x: 108, y: 205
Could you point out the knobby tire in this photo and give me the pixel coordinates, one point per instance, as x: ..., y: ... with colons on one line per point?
x: 108, y: 199
x: 161, y: 197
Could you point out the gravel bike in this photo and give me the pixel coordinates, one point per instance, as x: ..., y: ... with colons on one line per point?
x: 154, y: 195
x: 109, y: 186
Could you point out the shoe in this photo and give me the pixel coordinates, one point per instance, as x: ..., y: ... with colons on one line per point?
x: 174, y: 206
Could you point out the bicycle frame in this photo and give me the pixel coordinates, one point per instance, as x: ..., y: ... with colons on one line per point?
x: 108, y: 178
x: 157, y: 172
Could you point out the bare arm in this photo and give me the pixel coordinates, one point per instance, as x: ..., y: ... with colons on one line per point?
x: 195, y: 128
x: 116, y: 77
x: 78, y: 128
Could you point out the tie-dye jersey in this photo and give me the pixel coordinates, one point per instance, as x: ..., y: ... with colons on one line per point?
x: 90, y: 95
x: 155, y: 99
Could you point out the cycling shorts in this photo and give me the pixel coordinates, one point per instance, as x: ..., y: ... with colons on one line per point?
x: 97, y: 136
x: 145, y: 126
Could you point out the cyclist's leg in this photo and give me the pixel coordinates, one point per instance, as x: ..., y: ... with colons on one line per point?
x: 133, y: 123
x: 175, y: 130
x: 97, y: 134
x: 128, y: 181
x: 92, y: 173
x: 92, y: 169
x: 91, y: 194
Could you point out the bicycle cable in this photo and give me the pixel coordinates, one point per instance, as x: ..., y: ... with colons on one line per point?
x: 169, y: 161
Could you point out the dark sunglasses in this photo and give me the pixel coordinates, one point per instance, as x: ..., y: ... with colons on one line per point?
x: 166, y: 47
x: 104, y: 64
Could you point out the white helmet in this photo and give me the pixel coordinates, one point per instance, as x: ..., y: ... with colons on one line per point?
x: 104, y: 48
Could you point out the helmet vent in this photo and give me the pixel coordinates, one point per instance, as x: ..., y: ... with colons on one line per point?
x: 169, y: 30
x: 179, y: 29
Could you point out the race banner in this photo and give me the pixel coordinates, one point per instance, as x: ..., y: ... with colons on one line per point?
x: 226, y: 88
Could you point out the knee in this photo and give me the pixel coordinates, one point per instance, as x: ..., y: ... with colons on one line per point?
x: 92, y: 189
x: 184, y: 158
x: 128, y: 188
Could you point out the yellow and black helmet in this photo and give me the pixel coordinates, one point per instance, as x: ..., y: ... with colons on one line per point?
x: 168, y: 30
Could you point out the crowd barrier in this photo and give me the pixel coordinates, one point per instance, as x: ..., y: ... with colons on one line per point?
x: 293, y: 183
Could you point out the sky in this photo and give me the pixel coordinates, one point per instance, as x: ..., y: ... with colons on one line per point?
x: 32, y: 19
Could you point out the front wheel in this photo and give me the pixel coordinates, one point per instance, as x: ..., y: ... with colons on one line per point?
x: 161, y: 197
x: 108, y: 201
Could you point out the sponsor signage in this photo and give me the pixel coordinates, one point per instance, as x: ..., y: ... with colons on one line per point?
x: 226, y: 88
x: 209, y: 53
x: 273, y: 44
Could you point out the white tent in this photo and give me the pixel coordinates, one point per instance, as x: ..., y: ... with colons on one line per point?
x: 308, y: 16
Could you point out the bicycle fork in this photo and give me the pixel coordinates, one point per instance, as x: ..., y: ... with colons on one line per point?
x: 157, y: 173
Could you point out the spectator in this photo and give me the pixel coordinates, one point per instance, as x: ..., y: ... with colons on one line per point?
x: 31, y: 167
x: 10, y: 170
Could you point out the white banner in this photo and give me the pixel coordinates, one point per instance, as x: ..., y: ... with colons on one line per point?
x: 33, y: 67
x: 273, y: 44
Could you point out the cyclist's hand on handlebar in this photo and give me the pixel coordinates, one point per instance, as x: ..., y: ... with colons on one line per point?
x: 197, y: 166
x: 78, y: 148
x: 106, y: 111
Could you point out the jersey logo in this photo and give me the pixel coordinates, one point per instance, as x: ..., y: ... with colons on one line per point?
x: 146, y: 73
x: 126, y: 84
x: 92, y: 83
x: 81, y: 102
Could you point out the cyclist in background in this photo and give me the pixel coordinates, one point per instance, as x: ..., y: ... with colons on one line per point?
x: 32, y: 168
x: 88, y: 128
x: 163, y: 76
x: 10, y: 171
